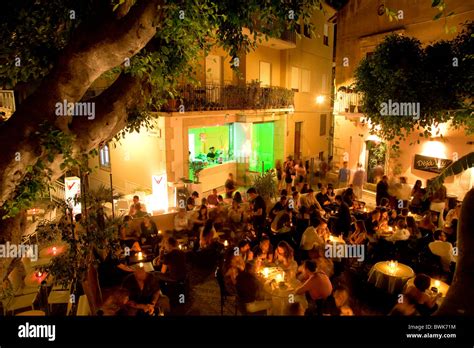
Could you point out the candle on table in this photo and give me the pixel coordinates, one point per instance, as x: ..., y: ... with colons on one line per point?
x: 140, y: 255
x: 265, y: 272
x: 55, y: 250
x: 279, y: 277
x: 437, y: 283
x: 141, y: 264
x: 226, y: 243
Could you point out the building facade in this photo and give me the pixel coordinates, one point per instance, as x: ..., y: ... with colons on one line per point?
x: 357, y: 39
x: 251, y: 120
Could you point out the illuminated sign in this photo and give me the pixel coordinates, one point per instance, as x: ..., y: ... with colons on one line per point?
x: 160, y: 192
x: 431, y: 164
x: 72, y: 192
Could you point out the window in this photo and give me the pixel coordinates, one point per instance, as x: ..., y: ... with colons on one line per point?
x: 265, y: 74
x: 307, y: 31
x: 295, y: 79
x: 305, y: 80
x: 326, y: 35
x: 322, y: 124
x: 104, y: 157
x: 324, y: 83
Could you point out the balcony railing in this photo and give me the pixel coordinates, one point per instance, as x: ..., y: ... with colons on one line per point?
x: 348, y: 102
x: 7, y: 104
x: 57, y: 192
x: 228, y: 97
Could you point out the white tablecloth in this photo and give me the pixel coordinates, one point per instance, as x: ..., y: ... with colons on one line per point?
x: 382, y: 278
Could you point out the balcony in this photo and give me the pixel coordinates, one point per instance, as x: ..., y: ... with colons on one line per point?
x: 285, y: 41
x: 348, y: 102
x: 7, y: 104
x: 231, y: 97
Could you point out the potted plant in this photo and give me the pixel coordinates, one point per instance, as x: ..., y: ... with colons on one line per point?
x: 196, y: 168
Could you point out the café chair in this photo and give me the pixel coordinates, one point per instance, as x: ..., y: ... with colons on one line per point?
x: 224, y: 293
x: 60, y: 295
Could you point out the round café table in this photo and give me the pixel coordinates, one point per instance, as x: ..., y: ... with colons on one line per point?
x: 33, y: 313
x: 282, y: 293
x: 382, y: 276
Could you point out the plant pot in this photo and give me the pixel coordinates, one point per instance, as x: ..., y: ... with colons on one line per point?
x: 352, y: 108
x: 172, y: 104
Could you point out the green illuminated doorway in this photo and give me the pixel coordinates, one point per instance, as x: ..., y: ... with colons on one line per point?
x: 262, y: 146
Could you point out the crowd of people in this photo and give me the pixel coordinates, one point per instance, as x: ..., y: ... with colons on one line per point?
x: 290, y: 232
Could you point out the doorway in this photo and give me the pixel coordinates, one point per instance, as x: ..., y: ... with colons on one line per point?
x: 375, y: 160
x: 298, y: 128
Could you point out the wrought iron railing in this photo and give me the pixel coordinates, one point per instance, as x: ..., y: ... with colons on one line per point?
x: 57, y: 192
x: 228, y: 97
x: 348, y: 102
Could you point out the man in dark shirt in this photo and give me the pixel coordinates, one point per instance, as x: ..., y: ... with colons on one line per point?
x: 144, y: 293
x: 229, y: 186
x: 343, y: 222
x: 323, y: 199
x: 382, y: 190
x: 279, y: 206
x: 173, y: 267
x: 211, y: 155
x: 371, y: 225
x: 191, y: 202
x: 259, y: 211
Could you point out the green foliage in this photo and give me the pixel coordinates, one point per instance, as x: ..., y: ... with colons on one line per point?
x: 402, y: 71
x: 35, y: 31
x: 455, y: 168
x: 196, y: 167
x: 265, y: 184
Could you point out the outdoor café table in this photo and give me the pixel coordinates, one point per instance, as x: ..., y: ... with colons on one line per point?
x: 391, y: 279
x: 282, y: 293
x: 334, y: 240
x: 33, y: 313
x: 442, y: 288
x: 147, y: 266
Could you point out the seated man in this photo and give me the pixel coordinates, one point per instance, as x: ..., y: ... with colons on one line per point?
x: 311, y: 238
x: 279, y: 206
x: 401, y: 231
x: 181, y: 221
x: 132, y: 210
x: 144, y: 294
x: 191, y: 201
x: 173, y: 267
x: 323, y: 199
x: 250, y: 290
x: 317, y: 287
x: 212, y: 198
x: 443, y: 249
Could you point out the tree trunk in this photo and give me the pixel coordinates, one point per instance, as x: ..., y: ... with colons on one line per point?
x: 459, y: 300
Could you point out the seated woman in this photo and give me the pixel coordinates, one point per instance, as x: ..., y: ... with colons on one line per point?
x: 359, y: 236
x: 284, y: 258
x: 238, y: 197
x: 279, y: 206
x: 208, y: 235
x: 148, y: 230
x: 233, y: 266
x: 400, y: 232
x: 264, y: 250
x: 425, y: 303
x: 244, y: 250
x: 200, y: 220
x: 413, y: 228
x: 383, y: 220
x: 426, y: 225
x: 128, y: 241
